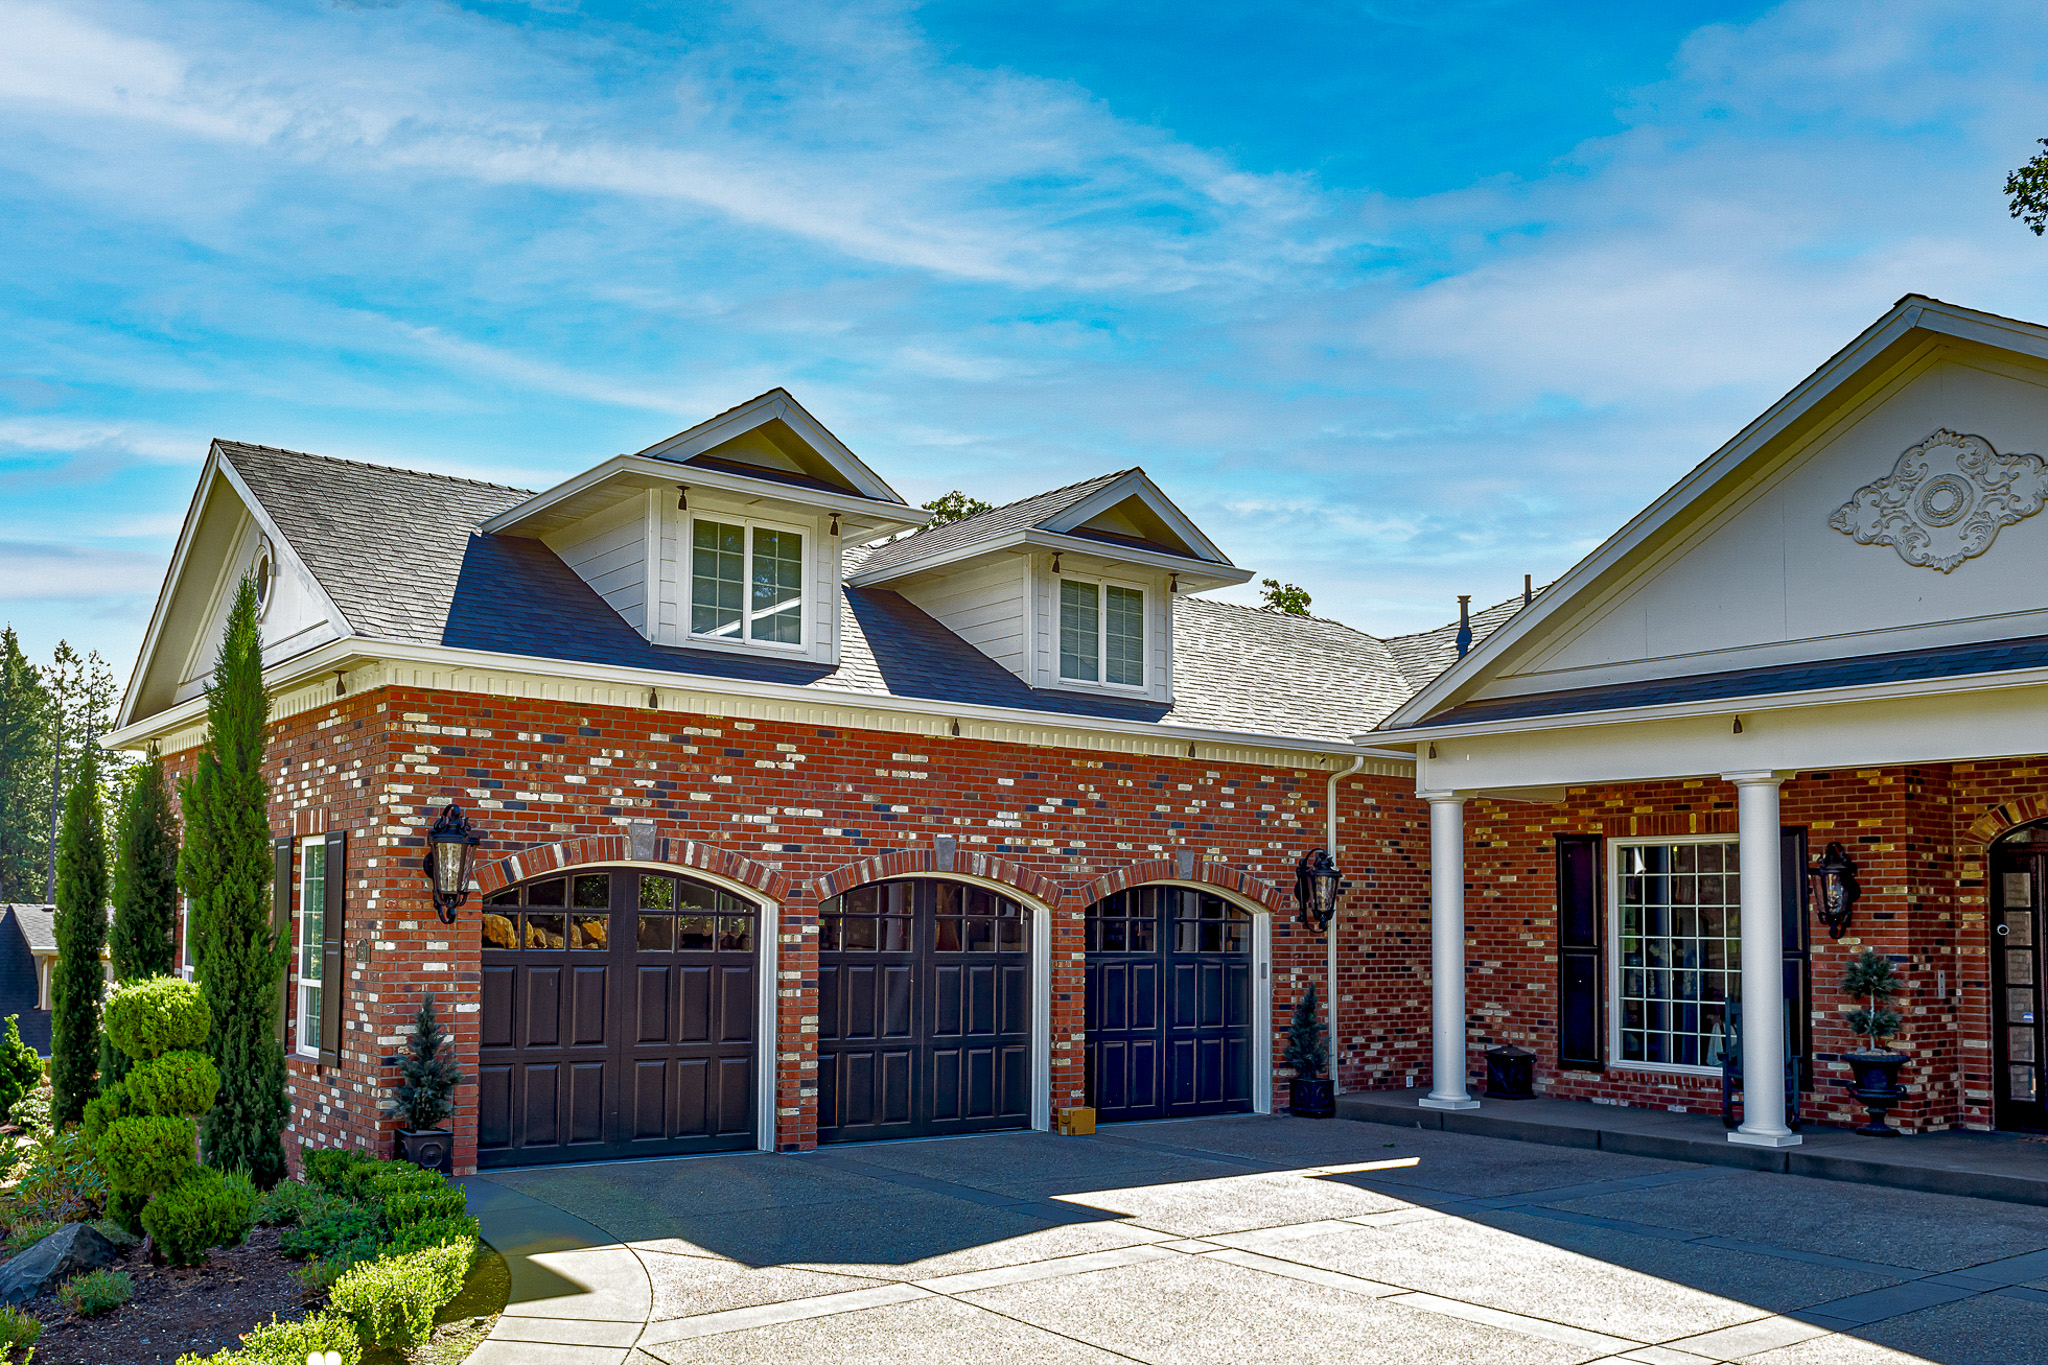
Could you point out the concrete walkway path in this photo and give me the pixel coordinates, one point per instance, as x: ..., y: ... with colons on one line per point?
x: 1250, y: 1239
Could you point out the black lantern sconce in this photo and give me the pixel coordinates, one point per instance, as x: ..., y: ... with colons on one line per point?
x: 451, y: 857
x: 1317, y: 887
x: 1834, y: 889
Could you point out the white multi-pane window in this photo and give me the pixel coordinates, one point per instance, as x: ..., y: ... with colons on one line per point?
x: 1678, y: 961
x: 312, y: 936
x: 746, y: 582
x: 1102, y: 633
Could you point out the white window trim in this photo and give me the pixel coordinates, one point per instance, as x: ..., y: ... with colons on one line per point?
x: 687, y: 565
x: 185, y: 937
x: 1099, y: 683
x: 1615, y: 1062
x: 300, y: 985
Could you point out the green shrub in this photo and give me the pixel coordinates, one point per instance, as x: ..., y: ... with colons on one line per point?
x: 18, y: 1333
x: 21, y: 1070
x: 62, y: 1179
x: 291, y: 1203
x: 393, y: 1299
x: 289, y: 1343
x: 145, y: 1156
x: 31, y: 1113
x: 202, y: 1211
x: 25, y: 1235
x: 342, y: 1231
x: 432, y: 1232
x: 402, y: 1177
x: 175, y: 1083
x: 341, y: 1170
x: 105, y: 1109
x: 411, y: 1206
x: 97, y: 1292
x: 157, y: 1015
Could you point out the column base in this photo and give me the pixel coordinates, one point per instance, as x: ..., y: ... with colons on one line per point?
x: 1432, y: 1102
x: 1765, y: 1139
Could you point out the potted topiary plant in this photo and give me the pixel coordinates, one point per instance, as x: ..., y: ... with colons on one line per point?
x: 1875, y: 1068
x: 426, y: 1095
x: 1312, y: 1095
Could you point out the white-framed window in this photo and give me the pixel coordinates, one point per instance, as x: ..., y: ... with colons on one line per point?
x: 1102, y: 632
x: 185, y: 937
x: 1675, y: 920
x: 311, y: 938
x: 746, y: 582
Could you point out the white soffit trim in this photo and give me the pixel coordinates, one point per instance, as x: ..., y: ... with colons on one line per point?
x: 1911, y: 312
x: 1198, y: 575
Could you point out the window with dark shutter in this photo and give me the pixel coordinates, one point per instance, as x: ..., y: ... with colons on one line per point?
x: 281, y: 926
x: 1580, y: 929
x: 333, y: 970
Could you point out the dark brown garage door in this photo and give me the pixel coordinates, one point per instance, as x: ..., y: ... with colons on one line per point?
x: 924, y: 1012
x: 618, y: 1019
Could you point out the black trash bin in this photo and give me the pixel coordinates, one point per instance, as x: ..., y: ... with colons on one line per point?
x: 1510, y: 1073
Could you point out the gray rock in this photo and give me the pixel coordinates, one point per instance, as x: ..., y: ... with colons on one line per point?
x: 71, y: 1250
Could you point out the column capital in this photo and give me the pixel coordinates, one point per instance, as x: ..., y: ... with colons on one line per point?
x: 1442, y: 797
x: 1757, y: 777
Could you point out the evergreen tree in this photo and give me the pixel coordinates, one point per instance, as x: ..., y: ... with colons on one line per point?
x: 225, y: 870
x: 145, y: 878
x: 80, y: 696
x: 24, y: 773
x: 77, y: 979
x: 427, y: 1072
x: 1307, y: 1050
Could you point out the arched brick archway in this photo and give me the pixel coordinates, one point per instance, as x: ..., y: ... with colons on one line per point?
x: 1221, y: 875
x: 924, y: 862
x: 1987, y: 828
x: 632, y: 847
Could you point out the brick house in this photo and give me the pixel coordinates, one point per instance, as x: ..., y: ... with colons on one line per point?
x: 797, y: 828
x: 1831, y: 632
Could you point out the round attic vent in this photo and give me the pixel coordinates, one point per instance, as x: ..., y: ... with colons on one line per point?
x: 264, y: 571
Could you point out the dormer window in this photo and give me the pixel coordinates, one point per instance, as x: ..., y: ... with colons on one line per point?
x: 746, y: 582
x: 1102, y: 633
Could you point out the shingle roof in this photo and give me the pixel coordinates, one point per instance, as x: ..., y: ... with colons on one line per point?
x: 985, y: 526
x: 398, y: 552
x: 38, y: 926
x: 1427, y: 653
x: 1906, y: 665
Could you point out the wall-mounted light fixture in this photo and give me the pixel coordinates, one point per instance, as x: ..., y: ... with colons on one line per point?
x: 682, y: 497
x: 451, y: 857
x: 1834, y: 889
x: 1318, y: 886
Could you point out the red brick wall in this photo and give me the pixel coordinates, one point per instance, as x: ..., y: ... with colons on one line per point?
x: 781, y: 807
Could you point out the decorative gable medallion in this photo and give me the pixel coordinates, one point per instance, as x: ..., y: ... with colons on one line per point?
x: 1944, y: 501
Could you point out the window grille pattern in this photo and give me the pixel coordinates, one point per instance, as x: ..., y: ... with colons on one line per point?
x: 1679, y: 907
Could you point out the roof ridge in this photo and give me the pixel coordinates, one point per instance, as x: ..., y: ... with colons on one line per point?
x: 365, y: 464
x: 1019, y: 502
x: 1275, y: 611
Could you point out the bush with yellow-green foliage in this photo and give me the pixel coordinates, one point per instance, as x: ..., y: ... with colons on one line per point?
x: 289, y: 1343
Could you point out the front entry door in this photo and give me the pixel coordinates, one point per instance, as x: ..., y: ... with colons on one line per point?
x: 2016, y: 1014
x: 618, y: 1019
x: 924, y: 1012
x: 1169, y: 1005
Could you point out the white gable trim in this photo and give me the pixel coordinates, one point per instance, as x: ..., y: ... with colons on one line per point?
x: 1137, y: 483
x: 1910, y: 313
x: 759, y: 412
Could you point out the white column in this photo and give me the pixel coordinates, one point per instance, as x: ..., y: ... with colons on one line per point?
x: 1447, y: 952
x: 1763, y: 964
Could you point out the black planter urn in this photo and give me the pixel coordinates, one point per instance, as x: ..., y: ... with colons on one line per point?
x: 431, y: 1149
x: 1312, y: 1098
x: 1876, y: 1087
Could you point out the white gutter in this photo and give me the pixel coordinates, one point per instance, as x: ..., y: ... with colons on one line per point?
x: 1330, y: 948
x: 337, y: 653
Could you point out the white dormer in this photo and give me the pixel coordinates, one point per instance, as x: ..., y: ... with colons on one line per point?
x: 1071, y: 590
x: 725, y: 537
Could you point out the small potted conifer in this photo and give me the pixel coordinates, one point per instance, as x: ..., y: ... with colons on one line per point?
x: 1312, y: 1094
x: 1871, y: 979
x: 426, y: 1094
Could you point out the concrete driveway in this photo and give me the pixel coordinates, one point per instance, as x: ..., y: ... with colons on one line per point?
x: 1250, y: 1239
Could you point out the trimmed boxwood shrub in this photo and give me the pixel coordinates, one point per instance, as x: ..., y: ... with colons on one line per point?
x: 433, y: 1232
x: 105, y: 1108
x: 204, y: 1210
x: 160, y: 1014
x: 181, y: 1082
x: 147, y: 1155
x: 392, y: 1299
x: 289, y: 1343
x: 412, y: 1206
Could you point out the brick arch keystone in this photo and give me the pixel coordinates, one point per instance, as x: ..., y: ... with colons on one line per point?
x: 919, y: 862
x: 1987, y: 828
x: 1204, y: 870
x: 632, y: 847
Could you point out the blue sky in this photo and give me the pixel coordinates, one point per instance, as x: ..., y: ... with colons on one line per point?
x: 1399, y: 300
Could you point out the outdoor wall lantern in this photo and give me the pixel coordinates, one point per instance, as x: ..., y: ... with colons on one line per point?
x: 1834, y: 889
x: 451, y: 855
x: 1317, y: 886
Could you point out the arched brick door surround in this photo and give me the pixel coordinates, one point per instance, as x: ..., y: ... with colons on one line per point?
x: 1996, y: 822
x: 929, y: 862
x: 541, y: 859
x: 1222, y: 876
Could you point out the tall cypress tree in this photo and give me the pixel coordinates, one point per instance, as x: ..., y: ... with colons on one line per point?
x: 145, y: 878
x: 24, y: 772
x: 77, y: 979
x: 225, y: 868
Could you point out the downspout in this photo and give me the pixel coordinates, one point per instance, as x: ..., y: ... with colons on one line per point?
x: 1330, y: 966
